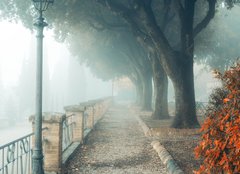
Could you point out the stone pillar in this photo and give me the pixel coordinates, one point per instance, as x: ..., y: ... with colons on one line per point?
x: 76, y: 112
x: 52, y: 141
x: 94, y: 113
x: 100, y: 109
x: 97, y: 111
x: 90, y: 112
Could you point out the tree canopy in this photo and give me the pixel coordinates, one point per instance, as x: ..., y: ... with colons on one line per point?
x: 120, y: 37
x: 218, y: 46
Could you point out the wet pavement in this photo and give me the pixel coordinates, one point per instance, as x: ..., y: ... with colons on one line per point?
x: 117, y: 145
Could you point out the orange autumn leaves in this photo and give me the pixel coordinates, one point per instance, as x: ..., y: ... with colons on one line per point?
x: 220, y: 142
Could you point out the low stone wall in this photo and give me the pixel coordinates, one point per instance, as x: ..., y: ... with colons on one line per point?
x: 71, y: 128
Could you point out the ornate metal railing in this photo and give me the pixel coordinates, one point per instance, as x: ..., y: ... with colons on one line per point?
x: 16, y: 156
x: 67, y: 132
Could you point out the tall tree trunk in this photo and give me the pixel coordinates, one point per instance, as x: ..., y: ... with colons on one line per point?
x: 179, y: 67
x: 143, y: 19
x: 180, y: 70
x: 139, y: 99
x: 184, y: 78
x: 185, y: 97
x: 147, y: 92
x: 161, y: 90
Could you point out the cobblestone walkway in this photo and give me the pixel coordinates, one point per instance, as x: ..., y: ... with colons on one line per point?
x: 116, y: 146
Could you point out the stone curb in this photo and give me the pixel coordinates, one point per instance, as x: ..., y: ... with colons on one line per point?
x: 166, y: 158
x: 146, y: 130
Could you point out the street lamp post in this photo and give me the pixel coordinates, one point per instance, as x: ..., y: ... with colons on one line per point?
x: 37, y: 158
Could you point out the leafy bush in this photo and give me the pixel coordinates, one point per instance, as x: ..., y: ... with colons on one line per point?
x: 220, y: 142
x: 215, y: 100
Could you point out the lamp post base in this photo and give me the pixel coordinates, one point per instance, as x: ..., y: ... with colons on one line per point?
x: 37, y: 162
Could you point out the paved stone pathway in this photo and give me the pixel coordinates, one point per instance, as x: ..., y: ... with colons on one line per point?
x: 116, y: 146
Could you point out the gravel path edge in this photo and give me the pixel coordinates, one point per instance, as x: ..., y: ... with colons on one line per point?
x: 165, y: 157
x: 146, y: 130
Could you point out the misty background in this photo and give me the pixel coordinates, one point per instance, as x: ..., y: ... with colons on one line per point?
x: 67, y: 82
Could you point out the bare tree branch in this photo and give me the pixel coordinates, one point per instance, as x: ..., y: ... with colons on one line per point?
x: 96, y: 26
x: 109, y: 25
x: 210, y: 14
x: 167, y: 18
x: 148, y: 2
x: 179, y: 9
x: 115, y: 7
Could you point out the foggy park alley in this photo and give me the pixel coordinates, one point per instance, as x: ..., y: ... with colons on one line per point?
x: 119, y: 87
x: 116, y: 145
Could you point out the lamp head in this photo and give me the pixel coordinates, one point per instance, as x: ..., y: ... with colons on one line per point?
x: 42, y: 5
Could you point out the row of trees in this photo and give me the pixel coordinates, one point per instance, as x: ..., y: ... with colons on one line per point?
x: 141, y: 39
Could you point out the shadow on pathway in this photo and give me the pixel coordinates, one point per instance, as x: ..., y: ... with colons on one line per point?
x: 116, y: 146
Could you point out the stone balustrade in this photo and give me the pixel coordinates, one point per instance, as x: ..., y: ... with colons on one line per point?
x: 77, y: 114
x: 66, y: 132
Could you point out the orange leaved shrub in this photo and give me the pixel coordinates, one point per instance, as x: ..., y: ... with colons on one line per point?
x: 220, y: 142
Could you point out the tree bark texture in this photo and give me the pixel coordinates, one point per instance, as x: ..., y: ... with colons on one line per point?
x: 147, y: 92
x: 161, y: 90
x: 179, y: 67
x: 185, y: 98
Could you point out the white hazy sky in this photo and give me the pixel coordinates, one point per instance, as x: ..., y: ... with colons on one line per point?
x: 18, y: 43
x: 15, y: 44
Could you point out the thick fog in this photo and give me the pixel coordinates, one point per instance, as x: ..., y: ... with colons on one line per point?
x: 65, y: 81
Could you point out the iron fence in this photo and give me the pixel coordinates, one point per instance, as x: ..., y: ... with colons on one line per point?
x: 67, y: 132
x: 16, y: 156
